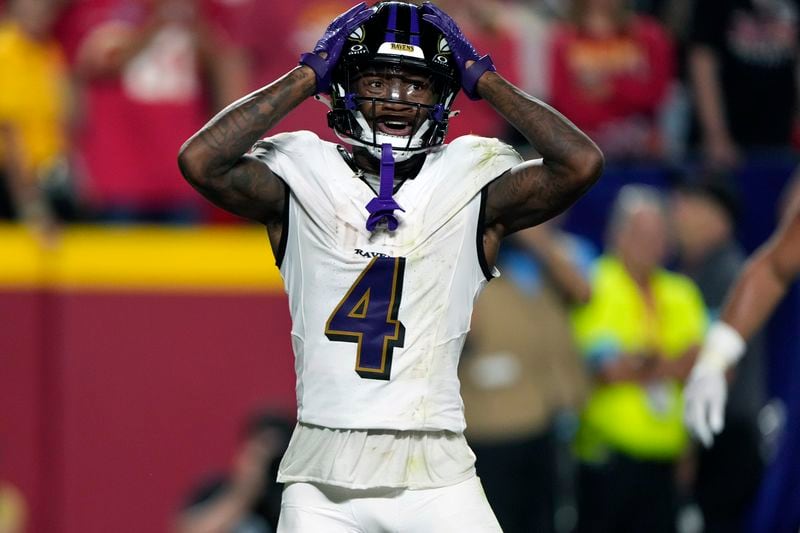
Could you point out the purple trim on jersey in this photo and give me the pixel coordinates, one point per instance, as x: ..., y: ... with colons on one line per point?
x: 391, y: 24
x: 382, y: 206
x: 415, y: 27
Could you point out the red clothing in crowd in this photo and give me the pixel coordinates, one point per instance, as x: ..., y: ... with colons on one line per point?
x: 613, y: 87
x: 135, y: 120
x: 273, y: 35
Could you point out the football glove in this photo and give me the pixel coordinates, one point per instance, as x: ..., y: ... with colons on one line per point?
x: 461, y: 49
x: 331, y: 44
x: 706, y: 390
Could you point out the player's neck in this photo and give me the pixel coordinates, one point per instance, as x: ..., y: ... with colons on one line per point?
x: 403, y: 170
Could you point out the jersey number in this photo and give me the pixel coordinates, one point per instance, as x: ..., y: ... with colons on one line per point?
x: 367, y: 316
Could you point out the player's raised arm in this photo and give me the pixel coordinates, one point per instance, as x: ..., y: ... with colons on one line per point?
x: 540, y: 189
x: 215, y: 161
x: 758, y: 290
x: 536, y: 190
x: 765, y: 279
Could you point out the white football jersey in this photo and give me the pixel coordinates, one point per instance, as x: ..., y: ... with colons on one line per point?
x: 379, y: 318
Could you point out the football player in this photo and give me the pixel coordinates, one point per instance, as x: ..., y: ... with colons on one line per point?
x: 758, y: 290
x: 383, y: 249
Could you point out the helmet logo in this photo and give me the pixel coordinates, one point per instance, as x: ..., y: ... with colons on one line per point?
x: 357, y: 49
x: 358, y: 34
x: 442, y: 60
x: 400, y: 47
x: 443, y: 46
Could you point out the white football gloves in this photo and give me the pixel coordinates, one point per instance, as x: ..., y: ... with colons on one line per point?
x: 706, y: 389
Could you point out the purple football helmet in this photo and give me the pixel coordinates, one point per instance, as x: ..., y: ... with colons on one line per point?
x: 394, y: 84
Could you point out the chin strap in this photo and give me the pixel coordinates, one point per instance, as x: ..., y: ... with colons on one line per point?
x: 382, y: 206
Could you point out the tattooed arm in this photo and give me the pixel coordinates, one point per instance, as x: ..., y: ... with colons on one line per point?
x: 536, y: 190
x: 215, y: 161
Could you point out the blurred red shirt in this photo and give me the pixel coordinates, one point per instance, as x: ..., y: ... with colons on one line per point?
x: 135, y: 120
x: 613, y: 87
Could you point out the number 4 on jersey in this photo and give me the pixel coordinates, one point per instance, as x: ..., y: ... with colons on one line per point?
x: 367, y: 316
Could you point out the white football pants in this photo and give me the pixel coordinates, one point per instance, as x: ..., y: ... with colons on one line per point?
x: 315, y: 508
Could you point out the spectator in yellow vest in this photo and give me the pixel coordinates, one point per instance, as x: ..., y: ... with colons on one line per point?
x: 639, y: 334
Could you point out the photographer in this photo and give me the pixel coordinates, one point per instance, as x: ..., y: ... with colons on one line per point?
x: 247, y: 500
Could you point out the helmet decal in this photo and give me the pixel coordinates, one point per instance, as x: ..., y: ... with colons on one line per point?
x: 443, y: 46
x: 357, y: 35
x: 357, y: 49
x: 401, y: 49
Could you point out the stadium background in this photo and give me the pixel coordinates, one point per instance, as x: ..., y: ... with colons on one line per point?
x: 129, y: 354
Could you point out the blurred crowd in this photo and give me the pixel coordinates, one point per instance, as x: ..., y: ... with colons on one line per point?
x: 572, y: 374
x: 98, y: 95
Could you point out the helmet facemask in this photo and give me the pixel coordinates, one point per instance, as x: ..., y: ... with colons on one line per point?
x: 373, y: 96
x: 391, y: 104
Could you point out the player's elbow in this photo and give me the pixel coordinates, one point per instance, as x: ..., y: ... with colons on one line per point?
x: 590, y: 165
x: 585, y: 167
x: 191, y: 161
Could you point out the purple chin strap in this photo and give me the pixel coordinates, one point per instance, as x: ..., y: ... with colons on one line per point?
x: 382, y: 206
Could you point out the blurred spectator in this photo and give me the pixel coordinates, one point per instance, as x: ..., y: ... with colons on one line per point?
x: 248, y: 499
x: 611, y: 72
x: 13, y: 512
x: 674, y: 14
x: 742, y: 64
x: 531, y: 22
x: 294, y: 28
x: 487, y: 27
x: 33, y: 116
x: 639, y: 334
x: 520, y: 370
x: 153, y: 71
x: 704, y: 210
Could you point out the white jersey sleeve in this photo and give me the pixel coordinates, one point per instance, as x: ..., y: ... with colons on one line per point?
x: 379, y: 318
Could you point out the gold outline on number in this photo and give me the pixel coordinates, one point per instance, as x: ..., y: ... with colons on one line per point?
x: 358, y: 337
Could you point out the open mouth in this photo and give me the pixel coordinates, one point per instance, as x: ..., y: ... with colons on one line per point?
x: 396, y: 126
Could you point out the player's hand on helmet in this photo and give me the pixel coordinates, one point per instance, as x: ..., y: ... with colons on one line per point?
x: 323, y: 59
x: 705, y: 395
x: 461, y: 48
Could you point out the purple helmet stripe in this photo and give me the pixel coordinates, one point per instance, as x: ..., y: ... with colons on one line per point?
x: 414, y: 26
x: 391, y: 26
